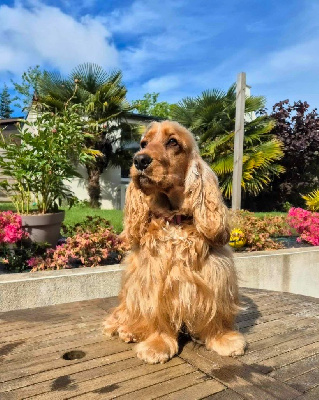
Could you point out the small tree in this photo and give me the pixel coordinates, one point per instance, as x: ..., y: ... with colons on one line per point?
x: 5, y: 101
x: 149, y: 105
x: 28, y: 88
x: 298, y: 129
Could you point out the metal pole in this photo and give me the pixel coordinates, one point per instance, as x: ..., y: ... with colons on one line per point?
x: 239, y: 140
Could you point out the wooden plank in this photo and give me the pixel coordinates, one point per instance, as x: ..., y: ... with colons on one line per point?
x: 173, y: 385
x: 32, y: 366
x: 227, y: 394
x: 20, y: 318
x: 144, y: 381
x: 311, y: 395
x: 272, y: 328
x: 62, y: 385
x: 80, y: 340
x: 43, y: 340
x: 304, y: 339
x: 292, y: 356
x: 243, y: 325
x: 196, y: 392
x: 286, y: 334
x: 267, y: 304
x: 80, y: 384
x: 69, y: 368
x: 306, y: 381
x: 296, y: 369
x: 241, y: 378
x: 12, y: 332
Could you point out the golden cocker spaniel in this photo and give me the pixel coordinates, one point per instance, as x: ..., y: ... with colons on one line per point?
x: 179, y: 273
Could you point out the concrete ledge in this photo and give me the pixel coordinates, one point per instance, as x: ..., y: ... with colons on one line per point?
x: 289, y: 270
x: 38, y: 289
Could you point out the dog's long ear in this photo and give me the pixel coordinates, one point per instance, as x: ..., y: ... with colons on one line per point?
x: 136, y: 214
x: 206, y: 203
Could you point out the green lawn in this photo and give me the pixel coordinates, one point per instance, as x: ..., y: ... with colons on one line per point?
x: 6, y: 207
x: 78, y: 213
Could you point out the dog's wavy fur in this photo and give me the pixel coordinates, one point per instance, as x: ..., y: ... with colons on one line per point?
x: 178, y: 274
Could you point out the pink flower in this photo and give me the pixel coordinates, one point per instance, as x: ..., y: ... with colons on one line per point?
x: 10, y: 227
x: 306, y: 224
x: 32, y: 262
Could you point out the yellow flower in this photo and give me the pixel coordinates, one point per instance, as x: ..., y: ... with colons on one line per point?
x: 237, y: 238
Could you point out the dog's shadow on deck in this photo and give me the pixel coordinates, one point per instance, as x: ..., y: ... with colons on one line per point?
x: 249, y: 314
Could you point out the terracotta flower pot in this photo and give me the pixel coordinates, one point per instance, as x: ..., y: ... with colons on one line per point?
x: 43, y: 227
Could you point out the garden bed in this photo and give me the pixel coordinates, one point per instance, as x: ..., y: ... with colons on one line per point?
x: 287, y: 270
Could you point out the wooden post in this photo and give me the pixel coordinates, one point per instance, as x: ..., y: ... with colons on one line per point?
x: 239, y: 140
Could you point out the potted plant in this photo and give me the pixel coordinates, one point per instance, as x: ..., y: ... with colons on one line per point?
x: 40, y: 159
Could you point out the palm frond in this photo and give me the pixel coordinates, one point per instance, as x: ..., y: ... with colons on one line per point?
x: 312, y: 200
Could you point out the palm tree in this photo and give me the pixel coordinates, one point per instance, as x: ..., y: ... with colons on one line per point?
x: 211, y: 117
x: 103, y: 96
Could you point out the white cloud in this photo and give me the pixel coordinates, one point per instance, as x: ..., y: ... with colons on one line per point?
x: 287, y: 63
x: 136, y: 19
x: 44, y: 35
x: 162, y: 84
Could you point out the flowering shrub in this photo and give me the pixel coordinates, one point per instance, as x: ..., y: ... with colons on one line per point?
x: 11, y: 228
x: 14, y: 249
x: 306, y: 224
x: 259, y: 232
x: 82, y: 249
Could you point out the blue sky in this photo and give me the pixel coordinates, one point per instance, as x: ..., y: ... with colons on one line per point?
x: 177, y: 48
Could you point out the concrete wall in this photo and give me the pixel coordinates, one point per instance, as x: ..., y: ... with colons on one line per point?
x: 288, y: 270
x: 293, y: 270
x: 38, y: 289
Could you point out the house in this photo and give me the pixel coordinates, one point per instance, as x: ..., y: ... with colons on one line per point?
x: 114, y: 180
x: 8, y: 126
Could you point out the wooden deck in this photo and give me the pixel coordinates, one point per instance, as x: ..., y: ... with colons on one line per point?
x: 281, y: 362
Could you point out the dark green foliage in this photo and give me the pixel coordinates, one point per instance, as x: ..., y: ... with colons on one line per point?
x: 5, y: 102
x: 298, y: 128
x: 17, y: 257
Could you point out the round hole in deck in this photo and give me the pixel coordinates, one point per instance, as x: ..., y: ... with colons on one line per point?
x: 73, y: 355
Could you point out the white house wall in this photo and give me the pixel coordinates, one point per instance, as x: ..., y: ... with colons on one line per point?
x: 110, y: 182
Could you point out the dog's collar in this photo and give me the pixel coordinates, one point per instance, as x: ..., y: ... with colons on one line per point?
x: 175, y: 219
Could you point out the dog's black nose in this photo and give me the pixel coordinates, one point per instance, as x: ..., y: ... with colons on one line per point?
x: 142, y: 161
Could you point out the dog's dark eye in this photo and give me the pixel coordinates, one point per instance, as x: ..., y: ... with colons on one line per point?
x: 172, y: 142
x: 143, y: 144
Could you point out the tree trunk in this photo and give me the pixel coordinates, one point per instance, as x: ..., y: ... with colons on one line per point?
x: 94, y: 188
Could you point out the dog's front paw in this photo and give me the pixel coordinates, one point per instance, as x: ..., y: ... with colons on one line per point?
x: 126, y: 336
x: 110, y: 327
x: 157, y: 349
x: 229, y: 344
